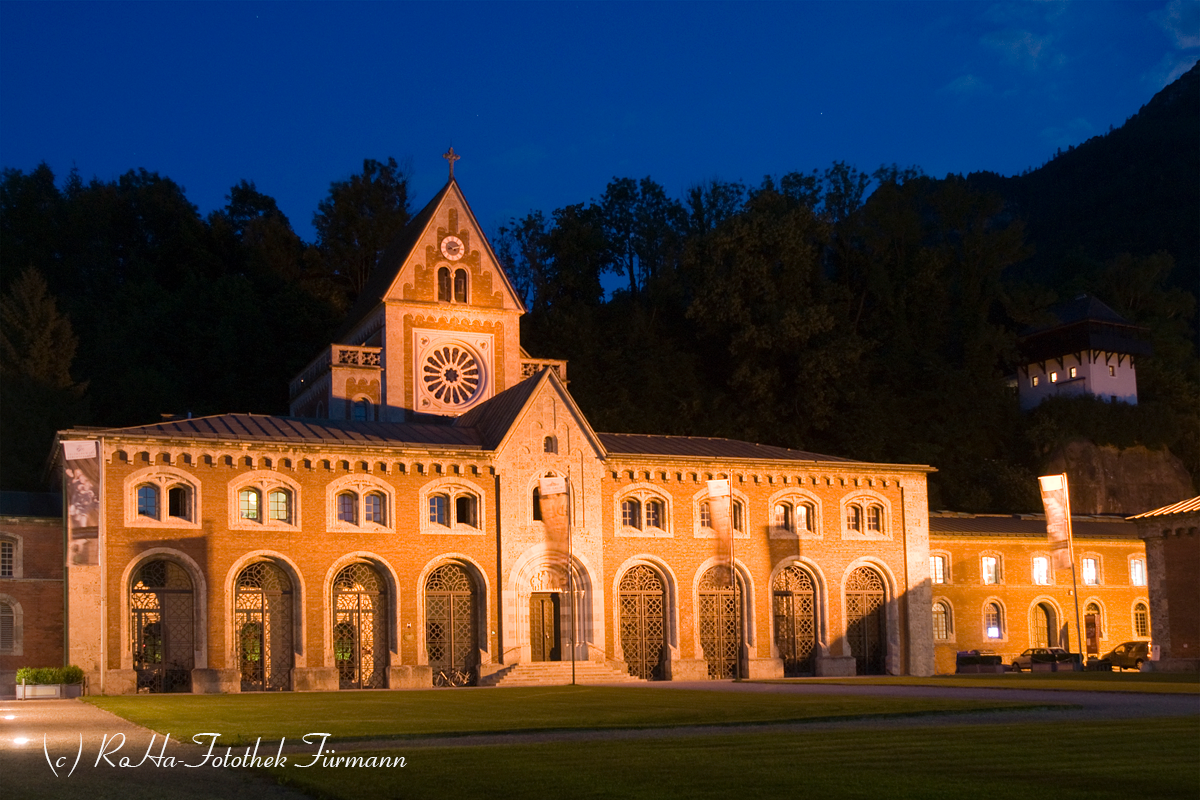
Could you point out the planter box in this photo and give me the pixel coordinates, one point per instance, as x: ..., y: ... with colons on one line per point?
x: 48, y: 691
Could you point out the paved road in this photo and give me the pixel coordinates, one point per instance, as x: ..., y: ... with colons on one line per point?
x: 26, y: 770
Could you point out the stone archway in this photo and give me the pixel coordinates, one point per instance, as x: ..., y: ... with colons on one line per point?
x: 866, y: 621
x: 794, y: 602
x: 643, y: 623
x: 360, y: 631
x: 721, y: 629
x: 451, y: 638
x: 263, y: 614
x: 162, y: 628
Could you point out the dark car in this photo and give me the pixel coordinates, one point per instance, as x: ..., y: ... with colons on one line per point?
x: 1040, y: 655
x: 1129, y: 655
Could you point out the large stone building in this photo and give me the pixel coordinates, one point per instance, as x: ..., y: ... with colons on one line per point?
x: 388, y: 533
x: 31, y: 583
x: 1173, y: 554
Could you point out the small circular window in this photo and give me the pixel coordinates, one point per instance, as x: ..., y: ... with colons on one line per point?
x: 452, y: 375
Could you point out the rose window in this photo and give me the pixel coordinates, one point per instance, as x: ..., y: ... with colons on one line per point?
x: 451, y: 374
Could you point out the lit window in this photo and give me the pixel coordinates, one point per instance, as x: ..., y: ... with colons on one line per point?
x: 1041, y: 571
x: 281, y: 505
x: 179, y: 502
x: 993, y: 621
x: 853, y: 518
x: 466, y: 510
x: 444, y: 284
x: 1137, y: 572
x: 654, y: 514
x: 1034, y: 381
x: 375, y: 509
x: 460, y: 286
x: 1141, y: 621
x: 937, y: 569
x: 941, y: 621
x: 347, y: 507
x: 1054, y: 377
x: 437, y: 509
x: 147, y: 501
x: 805, y: 516
x: 631, y: 514
x: 8, y: 559
x: 550, y: 445
x: 875, y: 519
x: 1112, y: 371
x: 1074, y: 372
x: 248, y: 502
x: 991, y: 569
x: 1091, y: 572
x: 783, y: 516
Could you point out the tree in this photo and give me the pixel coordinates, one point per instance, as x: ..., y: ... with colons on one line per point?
x: 358, y: 219
x: 38, y: 396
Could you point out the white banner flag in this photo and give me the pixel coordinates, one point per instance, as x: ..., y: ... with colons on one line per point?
x: 718, y: 512
x: 553, y: 496
x: 1057, y: 502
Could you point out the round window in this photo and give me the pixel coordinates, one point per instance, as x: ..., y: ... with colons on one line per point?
x: 451, y: 374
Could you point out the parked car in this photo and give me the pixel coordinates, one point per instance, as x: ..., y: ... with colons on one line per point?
x: 1129, y: 655
x: 1041, y: 655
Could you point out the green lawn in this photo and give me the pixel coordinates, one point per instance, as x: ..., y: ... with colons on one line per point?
x: 372, y: 715
x: 1140, y: 682
x: 1064, y: 761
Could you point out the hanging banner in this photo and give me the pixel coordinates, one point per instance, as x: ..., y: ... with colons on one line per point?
x: 718, y: 513
x: 1057, y: 502
x: 553, y: 499
x: 81, y: 481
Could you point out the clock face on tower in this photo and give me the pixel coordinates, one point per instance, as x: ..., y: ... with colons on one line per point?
x: 452, y: 248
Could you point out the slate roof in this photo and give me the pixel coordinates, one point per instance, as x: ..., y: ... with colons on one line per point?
x: 1084, y: 323
x: 1182, y: 507
x: 702, y: 447
x: 493, y: 418
x: 1031, y: 525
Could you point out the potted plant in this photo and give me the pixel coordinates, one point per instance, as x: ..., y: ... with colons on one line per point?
x: 49, y: 682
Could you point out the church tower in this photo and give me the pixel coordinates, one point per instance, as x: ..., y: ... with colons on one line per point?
x: 435, y: 330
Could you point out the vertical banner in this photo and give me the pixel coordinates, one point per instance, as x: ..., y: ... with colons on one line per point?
x: 719, y: 510
x: 553, y: 498
x: 1057, y: 502
x: 82, y: 485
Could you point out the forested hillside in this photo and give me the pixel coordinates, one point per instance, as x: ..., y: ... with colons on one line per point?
x: 873, y: 316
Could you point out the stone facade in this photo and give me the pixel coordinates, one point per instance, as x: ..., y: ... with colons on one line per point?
x: 1173, y: 553
x: 31, y: 594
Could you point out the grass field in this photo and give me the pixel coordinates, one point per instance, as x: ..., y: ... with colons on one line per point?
x: 1139, y: 682
x: 1065, y: 761
x: 374, y: 715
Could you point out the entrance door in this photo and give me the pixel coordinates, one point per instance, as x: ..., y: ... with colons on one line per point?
x: 720, y: 622
x: 1045, y: 627
x: 795, y: 621
x: 1091, y: 628
x: 544, y: 629
x: 866, y: 625
x: 360, y: 628
x: 450, y: 630
x: 642, y: 622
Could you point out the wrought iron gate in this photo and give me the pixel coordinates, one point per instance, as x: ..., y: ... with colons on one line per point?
x: 263, y: 625
x: 450, y: 626
x: 161, y: 628
x: 720, y: 622
x: 642, y: 623
x: 866, y: 623
x: 360, y: 638
x: 795, y: 621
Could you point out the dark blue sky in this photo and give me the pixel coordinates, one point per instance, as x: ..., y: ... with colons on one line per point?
x: 547, y: 102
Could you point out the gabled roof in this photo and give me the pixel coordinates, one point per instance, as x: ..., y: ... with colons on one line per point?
x: 383, y: 277
x: 702, y: 447
x: 1084, y: 323
x: 1182, y: 507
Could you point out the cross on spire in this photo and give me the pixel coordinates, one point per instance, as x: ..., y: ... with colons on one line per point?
x: 451, y: 157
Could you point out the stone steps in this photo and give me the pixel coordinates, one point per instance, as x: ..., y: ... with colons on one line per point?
x: 557, y: 673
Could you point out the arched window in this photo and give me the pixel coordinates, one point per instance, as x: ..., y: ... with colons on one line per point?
x: 993, y: 621
x: 705, y: 515
x: 654, y: 514
x: 631, y: 513
x: 853, y: 518
x: 550, y: 445
x: 8, y: 629
x: 444, y: 284
x: 783, y: 516
x: 347, y: 507
x: 147, y: 501
x: 941, y: 621
x: 806, y: 514
x: 737, y: 515
x: 363, y: 410
x: 1141, y: 621
x: 281, y: 505
x: 875, y: 519
x: 375, y: 508
x: 466, y: 510
x: 460, y: 286
x: 437, y: 509
x: 249, y: 501
x: 537, y: 504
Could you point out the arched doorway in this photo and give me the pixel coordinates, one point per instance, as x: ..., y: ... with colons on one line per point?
x: 1045, y: 626
x: 1092, y: 631
x: 866, y: 621
x: 263, y: 626
x: 360, y: 633
x: 795, y: 607
x: 161, y: 627
x: 450, y: 635
x: 721, y: 622
x: 643, y: 622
